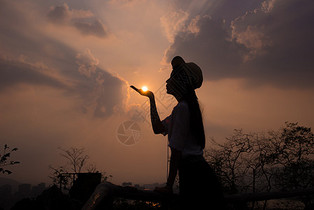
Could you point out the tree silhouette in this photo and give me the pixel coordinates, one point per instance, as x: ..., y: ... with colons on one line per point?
x: 259, y: 162
x: 76, y: 158
x: 76, y: 161
x: 64, y: 176
x: 4, y: 159
x: 296, y: 150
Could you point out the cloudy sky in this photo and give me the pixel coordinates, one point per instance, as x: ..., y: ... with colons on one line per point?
x: 66, y: 67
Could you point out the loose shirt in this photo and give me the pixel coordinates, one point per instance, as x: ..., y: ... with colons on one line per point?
x: 180, y: 137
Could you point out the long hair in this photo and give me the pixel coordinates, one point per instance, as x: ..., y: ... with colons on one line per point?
x: 196, y: 120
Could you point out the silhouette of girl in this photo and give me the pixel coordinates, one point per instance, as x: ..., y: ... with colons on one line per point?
x: 199, y: 187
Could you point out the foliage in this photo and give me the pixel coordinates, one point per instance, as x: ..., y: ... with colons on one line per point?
x: 60, y: 178
x: 4, y: 159
x: 281, y: 160
x: 296, y: 150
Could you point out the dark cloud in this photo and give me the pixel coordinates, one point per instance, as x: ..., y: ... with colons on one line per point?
x: 37, y: 59
x: 83, y: 20
x: 18, y: 72
x: 59, y: 14
x: 280, y: 39
x: 223, y: 9
x: 102, y: 92
x: 212, y: 48
x: 229, y: 9
x: 95, y: 28
x: 272, y: 44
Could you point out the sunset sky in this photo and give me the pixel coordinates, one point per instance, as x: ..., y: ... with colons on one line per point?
x: 66, y: 68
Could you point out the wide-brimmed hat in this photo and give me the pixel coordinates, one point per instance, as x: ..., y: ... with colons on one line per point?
x: 193, y: 71
x: 185, y: 77
x: 195, y: 75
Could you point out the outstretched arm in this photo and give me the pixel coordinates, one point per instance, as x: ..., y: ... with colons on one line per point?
x: 156, y: 122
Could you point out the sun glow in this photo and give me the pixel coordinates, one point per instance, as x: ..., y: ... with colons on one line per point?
x: 144, y: 88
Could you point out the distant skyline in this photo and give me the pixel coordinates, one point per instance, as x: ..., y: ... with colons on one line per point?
x: 66, y: 68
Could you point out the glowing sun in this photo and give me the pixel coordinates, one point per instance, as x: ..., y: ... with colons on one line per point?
x: 144, y: 88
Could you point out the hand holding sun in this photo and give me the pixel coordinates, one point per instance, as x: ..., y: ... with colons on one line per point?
x: 143, y: 91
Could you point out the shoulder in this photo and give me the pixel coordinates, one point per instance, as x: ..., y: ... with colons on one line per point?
x: 182, y: 107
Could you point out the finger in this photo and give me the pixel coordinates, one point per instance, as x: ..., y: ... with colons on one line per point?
x: 134, y: 88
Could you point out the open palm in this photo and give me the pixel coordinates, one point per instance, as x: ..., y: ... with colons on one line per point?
x: 146, y: 93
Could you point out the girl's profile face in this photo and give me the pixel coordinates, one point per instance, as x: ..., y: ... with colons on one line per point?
x: 169, y: 82
x: 168, y: 87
